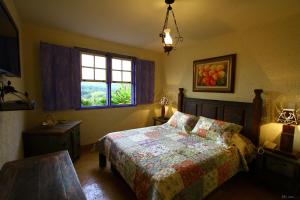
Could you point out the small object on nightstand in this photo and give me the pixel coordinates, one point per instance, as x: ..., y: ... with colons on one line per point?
x: 160, y: 120
x: 260, y: 151
x: 270, y: 145
x: 50, y: 121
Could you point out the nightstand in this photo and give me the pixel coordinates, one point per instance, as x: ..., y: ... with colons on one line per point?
x: 62, y: 136
x: 279, y: 171
x: 160, y: 120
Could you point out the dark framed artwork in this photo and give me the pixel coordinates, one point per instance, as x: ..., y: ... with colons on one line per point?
x: 214, y: 74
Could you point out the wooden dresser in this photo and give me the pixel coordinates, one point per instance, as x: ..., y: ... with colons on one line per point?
x: 62, y: 136
x: 50, y: 176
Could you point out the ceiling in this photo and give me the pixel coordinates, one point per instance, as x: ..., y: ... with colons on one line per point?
x: 138, y: 22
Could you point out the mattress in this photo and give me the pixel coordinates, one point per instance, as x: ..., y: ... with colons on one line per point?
x: 162, y: 162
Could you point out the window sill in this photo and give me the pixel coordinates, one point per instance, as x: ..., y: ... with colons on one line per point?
x: 105, y: 107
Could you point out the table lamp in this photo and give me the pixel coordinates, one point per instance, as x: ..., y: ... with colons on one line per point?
x: 163, y: 102
x: 288, y: 118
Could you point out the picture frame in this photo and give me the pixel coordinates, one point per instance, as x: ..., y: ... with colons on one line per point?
x: 215, y: 74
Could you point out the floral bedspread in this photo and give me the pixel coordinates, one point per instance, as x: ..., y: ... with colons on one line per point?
x: 161, y: 162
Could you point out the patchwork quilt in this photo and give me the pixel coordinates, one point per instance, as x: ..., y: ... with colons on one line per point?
x: 162, y: 162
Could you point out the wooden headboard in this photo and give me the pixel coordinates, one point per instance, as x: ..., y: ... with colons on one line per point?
x: 246, y: 114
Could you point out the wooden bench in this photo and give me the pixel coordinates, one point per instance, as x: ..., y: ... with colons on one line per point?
x: 45, y: 177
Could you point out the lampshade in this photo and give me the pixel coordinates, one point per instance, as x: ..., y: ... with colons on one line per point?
x: 287, y: 116
x: 164, y: 101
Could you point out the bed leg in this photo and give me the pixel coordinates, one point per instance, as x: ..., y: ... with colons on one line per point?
x: 114, y: 170
x: 102, y: 161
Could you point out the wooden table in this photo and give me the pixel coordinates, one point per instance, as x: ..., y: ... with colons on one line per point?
x: 51, y: 176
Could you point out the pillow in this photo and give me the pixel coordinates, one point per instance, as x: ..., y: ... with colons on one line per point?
x: 183, y: 121
x: 206, y: 126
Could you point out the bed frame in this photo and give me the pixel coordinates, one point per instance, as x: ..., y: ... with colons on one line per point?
x: 246, y: 114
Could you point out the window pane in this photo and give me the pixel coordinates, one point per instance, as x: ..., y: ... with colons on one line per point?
x: 126, y: 65
x: 100, y: 74
x: 87, y: 60
x: 116, y: 76
x: 116, y: 64
x: 120, y: 93
x: 100, y: 62
x: 87, y: 73
x: 93, y: 94
x: 127, y: 76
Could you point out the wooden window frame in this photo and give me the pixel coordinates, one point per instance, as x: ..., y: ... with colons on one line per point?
x: 108, y: 80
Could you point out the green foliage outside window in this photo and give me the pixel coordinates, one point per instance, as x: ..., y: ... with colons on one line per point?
x: 122, y: 95
x: 95, y: 99
x: 93, y: 94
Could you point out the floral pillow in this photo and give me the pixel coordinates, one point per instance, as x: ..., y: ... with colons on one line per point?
x: 206, y: 126
x: 183, y: 121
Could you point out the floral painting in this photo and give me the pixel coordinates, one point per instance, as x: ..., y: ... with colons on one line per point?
x: 214, y: 74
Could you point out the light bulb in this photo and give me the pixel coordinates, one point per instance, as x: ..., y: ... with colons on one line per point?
x: 168, y: 39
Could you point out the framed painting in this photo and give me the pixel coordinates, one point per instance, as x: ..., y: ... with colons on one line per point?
x: 214, y: 74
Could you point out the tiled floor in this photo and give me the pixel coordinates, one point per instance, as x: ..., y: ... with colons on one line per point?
x: 100, y: 184
x: 107, y: 185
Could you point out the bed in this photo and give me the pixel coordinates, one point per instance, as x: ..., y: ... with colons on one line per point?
x: 165, y: 162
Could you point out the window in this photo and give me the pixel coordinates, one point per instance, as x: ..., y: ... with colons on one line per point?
x: 121, y: 81
x: 106, y: 81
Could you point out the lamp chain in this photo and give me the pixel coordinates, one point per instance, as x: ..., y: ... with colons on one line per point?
x: 166, y: 20
x: 177, y: 29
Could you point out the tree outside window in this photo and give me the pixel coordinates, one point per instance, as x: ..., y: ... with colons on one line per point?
x: 106, y: 81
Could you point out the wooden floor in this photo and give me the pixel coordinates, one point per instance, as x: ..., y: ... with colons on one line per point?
x: 107, y: 185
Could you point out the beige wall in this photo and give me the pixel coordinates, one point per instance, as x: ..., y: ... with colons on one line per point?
x: 95, y: 123
x: 12, y: 122
x: 267, y: 58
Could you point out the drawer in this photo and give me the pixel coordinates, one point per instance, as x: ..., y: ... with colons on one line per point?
x: 281, y: 167
x: 40, y: 144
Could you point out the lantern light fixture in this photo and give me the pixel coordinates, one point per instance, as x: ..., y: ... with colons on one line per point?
x: 168, y: 42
